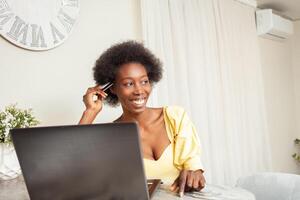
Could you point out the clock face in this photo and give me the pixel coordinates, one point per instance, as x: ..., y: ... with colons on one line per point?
x: 37, y: 24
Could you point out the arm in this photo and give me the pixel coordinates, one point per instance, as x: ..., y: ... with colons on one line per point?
x: 187, y: 153
x: 93, y: 106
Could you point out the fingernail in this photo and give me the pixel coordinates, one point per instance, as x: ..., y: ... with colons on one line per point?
x: 181, y: 194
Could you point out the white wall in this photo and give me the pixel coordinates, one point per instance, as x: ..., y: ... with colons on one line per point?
x: 296, y: 72
x: 277, y: 68
x: 53, y: 82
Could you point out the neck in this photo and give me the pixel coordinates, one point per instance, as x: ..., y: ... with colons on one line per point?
x: 140, y: 118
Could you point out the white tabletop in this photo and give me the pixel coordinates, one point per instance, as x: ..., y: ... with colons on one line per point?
x: 16, y: 189
x: 210, y: 192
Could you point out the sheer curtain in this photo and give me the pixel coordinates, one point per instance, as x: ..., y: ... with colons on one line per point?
x: 212, y: 68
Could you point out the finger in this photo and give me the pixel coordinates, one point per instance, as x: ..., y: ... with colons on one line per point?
x: 96, y: 91
x: 98, y: 87
x: 93, y: 89
x: 174, y: 185
x: 196, y: 182
x: 182, y: 182
x: 176, y: 190
x: 190, y: 179
x: 103, y: 93
x: 90, y: 93
x: 93, y: 96
x: 88, y: 96
x: 202, y: 183
x: 99, y: 97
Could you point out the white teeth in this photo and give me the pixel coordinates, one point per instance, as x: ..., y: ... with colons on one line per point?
x: 139, y: 101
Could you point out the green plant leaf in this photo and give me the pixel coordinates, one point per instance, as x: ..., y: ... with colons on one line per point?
x: 13, y: 117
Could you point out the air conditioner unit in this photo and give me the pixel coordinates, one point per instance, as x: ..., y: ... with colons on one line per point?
x: 272, y: 26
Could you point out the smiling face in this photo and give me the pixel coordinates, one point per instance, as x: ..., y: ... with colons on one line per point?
x: 132, y: 87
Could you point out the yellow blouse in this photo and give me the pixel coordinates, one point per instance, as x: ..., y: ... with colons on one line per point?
x: 182, y: 153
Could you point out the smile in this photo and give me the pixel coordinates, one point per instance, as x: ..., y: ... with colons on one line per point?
x: 139, y: 102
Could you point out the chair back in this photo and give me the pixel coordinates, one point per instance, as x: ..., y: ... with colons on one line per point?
x: 272, y: 186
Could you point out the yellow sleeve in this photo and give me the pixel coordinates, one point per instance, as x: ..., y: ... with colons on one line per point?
x: 186, y: 141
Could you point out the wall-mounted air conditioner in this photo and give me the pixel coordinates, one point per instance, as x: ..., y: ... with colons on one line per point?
x: 272, y: 26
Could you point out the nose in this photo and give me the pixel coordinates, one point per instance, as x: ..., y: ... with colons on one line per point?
x: 138, y: 89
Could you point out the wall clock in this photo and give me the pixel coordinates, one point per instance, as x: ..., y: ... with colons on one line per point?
x: 37, y: 24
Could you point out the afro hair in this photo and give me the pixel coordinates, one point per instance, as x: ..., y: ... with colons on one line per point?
x: 107, y: 65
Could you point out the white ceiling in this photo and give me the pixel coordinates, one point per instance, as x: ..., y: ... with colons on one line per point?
x: 287, y: 8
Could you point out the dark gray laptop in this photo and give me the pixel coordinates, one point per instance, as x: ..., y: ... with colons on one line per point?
x: 86, y: 162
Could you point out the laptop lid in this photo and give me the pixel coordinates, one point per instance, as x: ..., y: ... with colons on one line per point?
x: 100, y: 161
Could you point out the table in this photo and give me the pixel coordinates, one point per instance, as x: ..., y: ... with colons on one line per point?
x: 210, y: 192
x: 16, y: 190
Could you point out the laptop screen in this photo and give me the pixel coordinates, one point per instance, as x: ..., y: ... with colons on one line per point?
x: 101, y: 161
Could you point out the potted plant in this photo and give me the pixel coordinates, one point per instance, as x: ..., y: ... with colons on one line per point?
x: 296, y: 156
x: 12, y: 117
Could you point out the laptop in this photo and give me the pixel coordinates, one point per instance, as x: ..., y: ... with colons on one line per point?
x: 83, y: 162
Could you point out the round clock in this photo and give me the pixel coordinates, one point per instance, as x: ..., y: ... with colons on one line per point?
x: 37, y: 24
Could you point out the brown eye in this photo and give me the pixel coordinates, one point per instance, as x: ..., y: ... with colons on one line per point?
x: 145, y: 82
x: 129, y: 84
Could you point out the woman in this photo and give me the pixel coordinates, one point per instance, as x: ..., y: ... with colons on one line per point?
x: 170, y: 145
